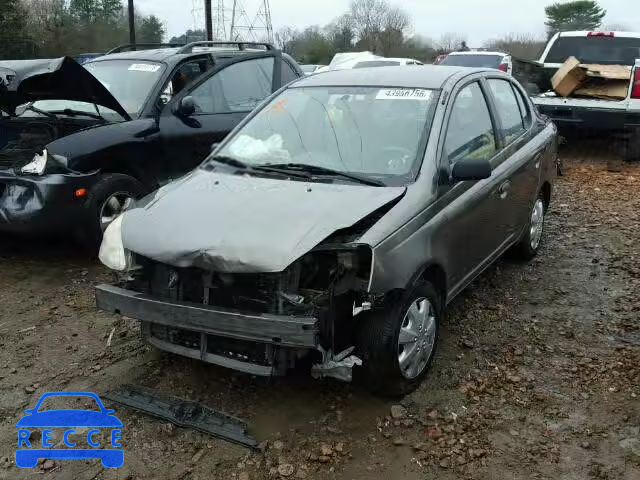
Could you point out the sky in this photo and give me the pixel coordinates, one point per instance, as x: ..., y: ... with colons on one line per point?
x: 479, y: 20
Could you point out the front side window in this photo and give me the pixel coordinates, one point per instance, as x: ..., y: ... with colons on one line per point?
x: 470, y: 131
x: 240, y: 87
x: 508, y: 109
x: 371, y: 131
x: 184, y: 75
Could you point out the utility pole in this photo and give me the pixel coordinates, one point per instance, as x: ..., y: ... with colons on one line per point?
x: 208, y: 19
x: 132, y: 24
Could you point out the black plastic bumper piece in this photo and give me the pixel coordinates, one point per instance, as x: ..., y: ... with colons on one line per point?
x: 591, y: 118
x: 44, y: 204
x: 286, y: 331
x: 183, y: 413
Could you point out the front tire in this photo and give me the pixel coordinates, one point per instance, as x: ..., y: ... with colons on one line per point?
x: 529, y: 244
x: 397, y: 342
x: 109, y: 197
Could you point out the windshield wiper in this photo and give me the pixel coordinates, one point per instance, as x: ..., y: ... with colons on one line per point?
x: 41, y: 112
x: 232, y: 162
x: 73, y: 113
x: 316, y: 170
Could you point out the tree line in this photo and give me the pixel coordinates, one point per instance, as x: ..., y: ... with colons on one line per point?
x: 53, y: 28
x: 386, y: 30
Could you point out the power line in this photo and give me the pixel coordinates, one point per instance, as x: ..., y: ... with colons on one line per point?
x: 253, y: 23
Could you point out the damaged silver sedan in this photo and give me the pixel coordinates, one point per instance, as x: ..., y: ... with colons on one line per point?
x: 334, y: 225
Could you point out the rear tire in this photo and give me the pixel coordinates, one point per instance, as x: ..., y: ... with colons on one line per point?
x: 106, y: 200
x: 395, y: 365
x: 529, y: 244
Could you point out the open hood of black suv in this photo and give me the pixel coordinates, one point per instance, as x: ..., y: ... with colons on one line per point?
x: 23, y: 81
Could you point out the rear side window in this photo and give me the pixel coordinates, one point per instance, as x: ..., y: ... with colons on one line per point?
x: 601, y: 50
x: 238, y: 88
x: 287, y: 74
x: 524, y: 107
x: 476, y: 61
x: 507, y: 108
x: 470, y: 131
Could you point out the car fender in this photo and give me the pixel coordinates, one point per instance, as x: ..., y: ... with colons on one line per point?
x: 127, y: 146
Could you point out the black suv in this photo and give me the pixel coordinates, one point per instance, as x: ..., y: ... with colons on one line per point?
x: 78, y: 143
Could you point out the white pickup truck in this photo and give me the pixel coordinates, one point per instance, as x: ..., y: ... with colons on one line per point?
x: 621, y: 117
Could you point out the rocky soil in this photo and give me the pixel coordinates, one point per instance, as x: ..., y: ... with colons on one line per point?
x: 537, y: 375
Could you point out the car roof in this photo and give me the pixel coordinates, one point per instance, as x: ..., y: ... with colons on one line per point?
x: 479, y: 52
x: 411, y: 76
x: 163, y: 54
x: 156, y: 54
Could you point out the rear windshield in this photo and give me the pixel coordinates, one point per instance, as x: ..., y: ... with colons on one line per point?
x: 602, y: 50
x: 477, y: 61
x: 377, y: 63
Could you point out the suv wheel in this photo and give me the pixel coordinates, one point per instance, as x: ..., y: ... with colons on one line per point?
x: 529, y: 244
x: 398, y: 342
x: 109, y: 197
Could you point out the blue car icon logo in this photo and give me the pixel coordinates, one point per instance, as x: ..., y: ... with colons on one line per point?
x: 77, y: 445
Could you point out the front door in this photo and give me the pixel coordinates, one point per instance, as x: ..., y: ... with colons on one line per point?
x: 478, y: 211
x: 222, y: 99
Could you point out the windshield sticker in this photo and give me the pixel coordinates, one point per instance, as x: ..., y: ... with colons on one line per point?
x: 404, y: 94
x: 144, y: 67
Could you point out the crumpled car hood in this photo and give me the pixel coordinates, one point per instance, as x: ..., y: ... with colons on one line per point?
x: 242, y: 224
x: 23, y: 81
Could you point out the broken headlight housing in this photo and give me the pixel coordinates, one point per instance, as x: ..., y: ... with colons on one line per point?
x: 112, y: 252
x: 38, y: 165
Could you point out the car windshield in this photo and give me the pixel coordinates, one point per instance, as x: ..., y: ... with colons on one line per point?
x: 370, y: 131
x: 595, y: 49
x: 129, y: 81
x: 476, y: 61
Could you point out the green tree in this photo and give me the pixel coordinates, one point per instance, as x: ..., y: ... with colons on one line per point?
x: 85, y: 10
x: 576, y: 15
x: 14, y: 41
x: 151, y: 30
x: 189, y: 36
x: 110, y: 9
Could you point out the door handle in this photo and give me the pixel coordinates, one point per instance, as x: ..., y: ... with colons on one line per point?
x: 503, y: 189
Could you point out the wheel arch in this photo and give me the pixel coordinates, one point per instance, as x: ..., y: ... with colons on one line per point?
x: 545, y: 190
x: 434, y: 273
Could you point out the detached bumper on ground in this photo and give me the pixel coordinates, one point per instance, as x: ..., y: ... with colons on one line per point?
x: 40, y: 204
x: 204, y: 332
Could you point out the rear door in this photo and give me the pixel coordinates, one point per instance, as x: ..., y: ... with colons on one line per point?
x: 523, y: 151
x: 223, y: 98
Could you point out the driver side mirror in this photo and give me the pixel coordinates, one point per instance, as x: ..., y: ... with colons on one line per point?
x: 187, y: 107
x: 470, y: 169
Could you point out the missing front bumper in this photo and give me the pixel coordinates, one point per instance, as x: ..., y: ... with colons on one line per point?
x: 215, y: 335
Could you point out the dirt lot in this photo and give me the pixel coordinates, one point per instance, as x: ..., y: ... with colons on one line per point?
x: 537, y: 376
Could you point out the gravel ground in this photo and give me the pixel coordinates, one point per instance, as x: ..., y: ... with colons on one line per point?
x: 537, y: 376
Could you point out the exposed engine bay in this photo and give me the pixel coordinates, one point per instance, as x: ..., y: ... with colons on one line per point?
x: 23, y: 137
x: 326, y: 284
